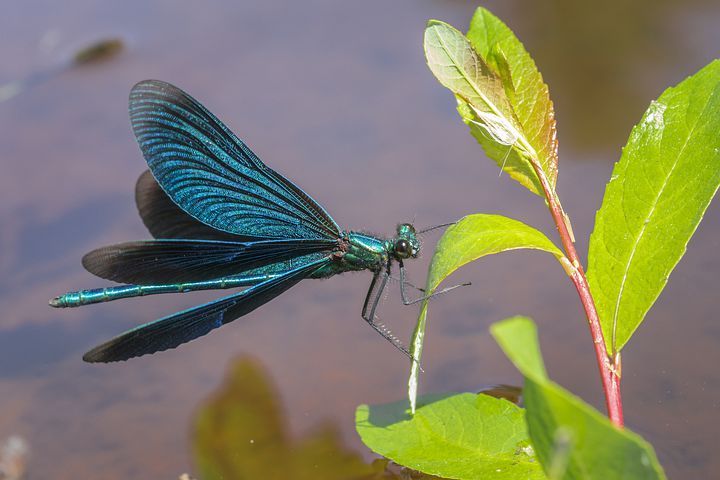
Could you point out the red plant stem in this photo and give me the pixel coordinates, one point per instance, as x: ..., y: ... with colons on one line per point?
x: 609, y: 370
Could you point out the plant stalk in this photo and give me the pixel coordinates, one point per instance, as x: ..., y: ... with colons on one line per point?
x: 609, y: 369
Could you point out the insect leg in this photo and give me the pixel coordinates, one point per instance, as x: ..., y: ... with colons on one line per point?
x: 404, y: 282
x: 395, y: 279
x: 373, y: 299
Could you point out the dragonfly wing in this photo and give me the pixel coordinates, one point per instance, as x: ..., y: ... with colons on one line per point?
x: 212, y: 175
x: 164, y: 219
x: 182, y: 327
x: 178, y: 261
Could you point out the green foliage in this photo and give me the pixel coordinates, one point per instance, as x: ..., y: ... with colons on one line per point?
x: 667, y: 175
x: 470, y: 238
x: 571, y: 439
x: 500, y: 93
x: 656, y: 197
x: 459, y: 436
x: 527, y: 91
x: 479, y: 235
x: 241, y: 433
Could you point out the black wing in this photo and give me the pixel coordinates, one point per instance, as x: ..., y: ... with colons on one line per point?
x: 178, y: 261
x: 212, y: 175
x: 174, y: 330
x: 164, y: 219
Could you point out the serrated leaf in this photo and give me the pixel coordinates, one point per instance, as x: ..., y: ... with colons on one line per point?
x: 659, y: 190
x: 461, y: 436
x: 573, y: 441
x: 470, y: 238
x: 509, y: 159
x: 458, y: 67
x: 483, y: 101
x: 496, y: 43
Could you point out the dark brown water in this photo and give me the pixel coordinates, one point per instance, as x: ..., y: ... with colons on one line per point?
x: 336, y: 96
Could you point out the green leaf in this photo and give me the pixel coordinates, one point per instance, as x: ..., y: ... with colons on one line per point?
x: 571, y: 439
x: 483, y: 101
x: 479, y: 235
x: 668, y: 174
x: 461, y: 436
x: 470, y: 238
x: 530, y: 99
x: 517, y: 336
x: 458, y: 67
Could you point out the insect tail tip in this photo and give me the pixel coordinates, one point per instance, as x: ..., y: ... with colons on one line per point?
x: 55, y: 302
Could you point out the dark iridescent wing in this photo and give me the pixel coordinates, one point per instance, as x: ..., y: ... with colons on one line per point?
x: 177, y: 261
x: 164, y: 219
x: 174, y: 330
x: 212, y: 175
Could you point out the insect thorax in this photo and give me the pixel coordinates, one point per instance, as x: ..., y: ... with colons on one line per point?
x: 364, y: 252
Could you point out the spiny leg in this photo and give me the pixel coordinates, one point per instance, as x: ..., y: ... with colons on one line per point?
x: 373, y: 301
x: 404, y: 282
x: 396, y: 279
x: 369, y: 295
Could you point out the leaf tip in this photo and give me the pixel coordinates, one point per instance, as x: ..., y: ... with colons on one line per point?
x: 484, y: 12
x: 516, y: 323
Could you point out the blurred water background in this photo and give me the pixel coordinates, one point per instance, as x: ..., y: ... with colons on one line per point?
x: 336, y: 96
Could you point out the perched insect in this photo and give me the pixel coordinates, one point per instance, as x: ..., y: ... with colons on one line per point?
x: 222, y: 219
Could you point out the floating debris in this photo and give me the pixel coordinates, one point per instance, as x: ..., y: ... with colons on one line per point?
x: 97, y: 51
x: 510, y: 393
x: 13, y: 458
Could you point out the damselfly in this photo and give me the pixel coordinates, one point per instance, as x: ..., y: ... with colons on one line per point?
x: 222, y: 219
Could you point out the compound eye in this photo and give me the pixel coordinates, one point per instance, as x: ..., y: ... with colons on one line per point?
x: 406, y: 227
x: 402, y: 248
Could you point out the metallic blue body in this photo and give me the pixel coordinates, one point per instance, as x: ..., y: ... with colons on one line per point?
x: 99, y: 295
x: 221, y: 219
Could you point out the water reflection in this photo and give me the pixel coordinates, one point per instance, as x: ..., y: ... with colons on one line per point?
x: 242, y: 432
